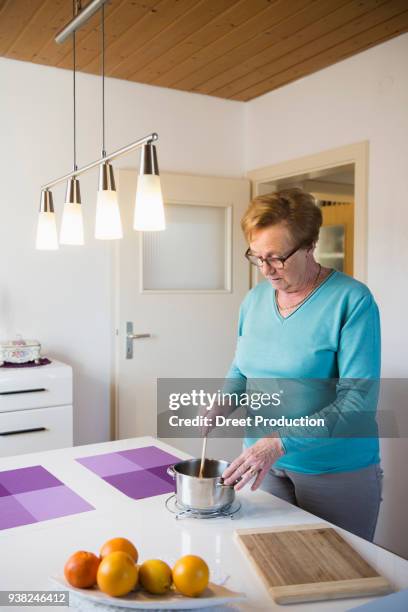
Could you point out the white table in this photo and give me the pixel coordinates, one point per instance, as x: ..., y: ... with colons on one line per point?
x: 31, y: 553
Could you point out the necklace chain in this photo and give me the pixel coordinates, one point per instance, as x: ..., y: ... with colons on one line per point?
x: 282, y: 308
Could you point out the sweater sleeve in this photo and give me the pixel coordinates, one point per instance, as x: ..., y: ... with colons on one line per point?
x: 352, y: 413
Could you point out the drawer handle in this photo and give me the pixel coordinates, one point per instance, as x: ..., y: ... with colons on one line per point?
x: 22, y: 431
x: 23, y: 391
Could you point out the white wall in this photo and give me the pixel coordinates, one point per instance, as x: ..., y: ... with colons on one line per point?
x: 362, y: 98
x: 63, y: 298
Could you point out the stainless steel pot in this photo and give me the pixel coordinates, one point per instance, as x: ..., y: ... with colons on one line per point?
x: 204, y: 494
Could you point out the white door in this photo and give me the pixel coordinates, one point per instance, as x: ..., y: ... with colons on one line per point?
x: 183, y: 287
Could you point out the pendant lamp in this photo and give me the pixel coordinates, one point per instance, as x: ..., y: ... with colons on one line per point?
x: 47, y: 228
x: 149, y: 208
x: 108, y: 224
x: 72, y: 226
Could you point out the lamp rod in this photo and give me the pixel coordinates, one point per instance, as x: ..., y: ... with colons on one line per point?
x: 134, y: 145
x: 77, y: 22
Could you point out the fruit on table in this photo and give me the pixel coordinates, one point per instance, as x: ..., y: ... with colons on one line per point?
x: 121, y: 544
x: 117, y: 574
x: 191, y: 575
x: 81, y: 568
x: 155, y: 576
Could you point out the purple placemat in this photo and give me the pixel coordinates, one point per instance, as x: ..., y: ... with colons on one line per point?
x: 32, y: 494
x: 138, y: 473
x: 28, y: 364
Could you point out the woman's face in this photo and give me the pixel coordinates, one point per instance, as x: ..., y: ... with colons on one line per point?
x: 276, y: 240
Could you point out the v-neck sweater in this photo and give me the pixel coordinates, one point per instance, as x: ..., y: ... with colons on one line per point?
x: 329, y: 348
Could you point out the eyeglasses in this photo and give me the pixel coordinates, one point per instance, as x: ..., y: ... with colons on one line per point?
x: 275, y: 262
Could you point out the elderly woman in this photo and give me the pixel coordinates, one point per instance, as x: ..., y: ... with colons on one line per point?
x: 306, y: 321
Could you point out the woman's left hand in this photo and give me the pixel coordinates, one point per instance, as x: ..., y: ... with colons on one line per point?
x: 256, y: 459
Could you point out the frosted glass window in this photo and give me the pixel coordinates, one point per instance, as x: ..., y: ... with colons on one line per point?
x: 191, y: 254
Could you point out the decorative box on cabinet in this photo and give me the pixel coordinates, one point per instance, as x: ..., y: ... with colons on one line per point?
x: 35, y: 408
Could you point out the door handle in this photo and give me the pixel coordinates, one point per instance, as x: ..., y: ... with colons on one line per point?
x: 137, y: 336
x: 130, y: 336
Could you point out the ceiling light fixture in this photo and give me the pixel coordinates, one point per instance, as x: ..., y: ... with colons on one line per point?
x: 47, y: 228
x: 149, y: 210
x: 72, y: 226
x: 108, y: 224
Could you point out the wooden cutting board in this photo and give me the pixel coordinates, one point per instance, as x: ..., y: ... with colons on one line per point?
x: 309, y: 563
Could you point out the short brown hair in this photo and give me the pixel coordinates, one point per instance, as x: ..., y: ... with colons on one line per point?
x: 294, y: 207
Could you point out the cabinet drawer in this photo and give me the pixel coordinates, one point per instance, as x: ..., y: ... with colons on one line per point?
x: 29, y: 431
x: 35, y: 389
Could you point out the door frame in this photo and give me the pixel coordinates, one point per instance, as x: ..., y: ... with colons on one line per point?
x: 356, y: 154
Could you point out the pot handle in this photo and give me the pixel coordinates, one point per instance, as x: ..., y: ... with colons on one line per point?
x: 171, y: 472
x: 231, y: 486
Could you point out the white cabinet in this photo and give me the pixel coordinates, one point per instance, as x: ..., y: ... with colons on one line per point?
x: 35, y: 408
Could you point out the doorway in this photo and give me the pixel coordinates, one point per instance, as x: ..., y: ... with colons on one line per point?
x: 338, y: 180
x: 333, y: 190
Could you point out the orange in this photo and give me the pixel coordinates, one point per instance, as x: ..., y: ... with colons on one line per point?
x: 121, y: 544
x: 80, y: 569
x: 191, y: 575
x: 155, y: 576
x: 117, y: 574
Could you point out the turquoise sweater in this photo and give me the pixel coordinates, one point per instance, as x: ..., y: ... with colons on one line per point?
x: 334, y: 334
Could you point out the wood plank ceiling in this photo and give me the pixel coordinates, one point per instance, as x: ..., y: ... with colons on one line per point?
x: 234, y: 49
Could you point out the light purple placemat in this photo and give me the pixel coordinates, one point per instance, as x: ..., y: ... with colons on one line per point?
x: 138, y: 473
x: 33, y: 494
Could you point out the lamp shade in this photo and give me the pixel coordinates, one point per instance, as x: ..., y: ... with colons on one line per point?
x: 108, y: 225
x: 149, y: 208
x: 46, y: 239
x: 72, y: 227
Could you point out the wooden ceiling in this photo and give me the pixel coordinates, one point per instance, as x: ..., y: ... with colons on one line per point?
x: 235, y: 49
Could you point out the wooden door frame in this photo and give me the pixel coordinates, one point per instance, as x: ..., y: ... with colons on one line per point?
x: 356, y: 154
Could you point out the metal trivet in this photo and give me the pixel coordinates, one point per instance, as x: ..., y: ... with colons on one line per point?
x: 174, y: 507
